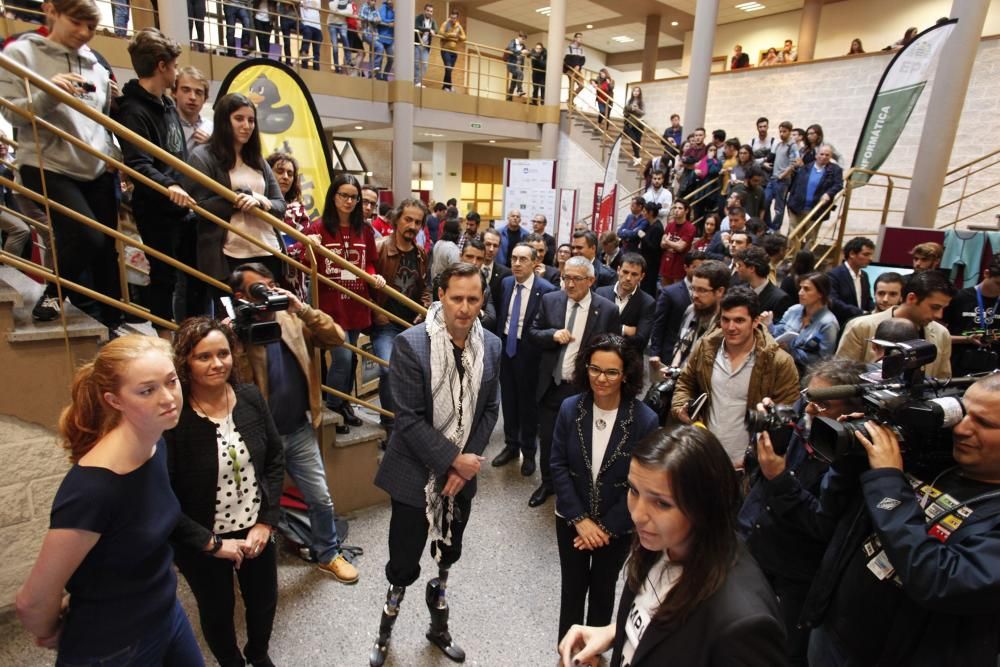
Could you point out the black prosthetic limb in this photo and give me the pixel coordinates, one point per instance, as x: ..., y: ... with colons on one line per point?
x: 438, y: 605
x: 390, y: 611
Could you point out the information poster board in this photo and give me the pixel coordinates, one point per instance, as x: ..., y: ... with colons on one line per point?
x: 530, y: 187
x: 567, y: 215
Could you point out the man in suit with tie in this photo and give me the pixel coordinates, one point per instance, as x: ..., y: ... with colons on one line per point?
x: 753, y: 267
x: 445, y: 374
x: 565, y: 321
x: 850, y: 291
x: 521, y: 296
x: 584, y: 244
x: 635, y: 308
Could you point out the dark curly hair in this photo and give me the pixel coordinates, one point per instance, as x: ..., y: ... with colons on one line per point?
x: 191, y: 332
x: 626, y: 350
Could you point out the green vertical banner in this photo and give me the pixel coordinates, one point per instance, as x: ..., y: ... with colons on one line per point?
x: 896, y: 96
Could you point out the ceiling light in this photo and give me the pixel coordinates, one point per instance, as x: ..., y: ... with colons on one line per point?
x: 359, y: 127
x: 622, y: 39
x: 674, y: 23
x: 493, y: 141
x: 749, y: 6
x: 590, y: 26
x: 545, y: 11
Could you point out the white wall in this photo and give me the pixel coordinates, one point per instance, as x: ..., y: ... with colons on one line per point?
x: 878, y: 23
x: 836, y: 94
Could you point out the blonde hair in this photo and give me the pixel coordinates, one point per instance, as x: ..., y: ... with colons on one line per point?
x: 88, y: 417
x: 192, y: 73
x: 81, y: 10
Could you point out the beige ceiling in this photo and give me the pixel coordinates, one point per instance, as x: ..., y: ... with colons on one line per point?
x: 612, y: 18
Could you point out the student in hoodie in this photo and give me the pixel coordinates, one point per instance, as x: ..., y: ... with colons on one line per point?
x: 73, y: 177
x: 147, y: 110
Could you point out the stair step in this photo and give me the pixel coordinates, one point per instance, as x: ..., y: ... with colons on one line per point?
x: 23, y: 292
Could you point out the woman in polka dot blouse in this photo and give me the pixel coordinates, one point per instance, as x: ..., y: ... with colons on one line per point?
x: 226, y: 467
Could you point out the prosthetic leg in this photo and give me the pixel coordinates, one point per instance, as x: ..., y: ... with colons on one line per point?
x: 393, y: 598
x: 437, y: 604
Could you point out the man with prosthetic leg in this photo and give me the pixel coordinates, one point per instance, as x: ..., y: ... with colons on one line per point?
x: 445, y: 377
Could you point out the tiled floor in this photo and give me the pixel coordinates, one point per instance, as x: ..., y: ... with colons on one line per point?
x: 504, y: 592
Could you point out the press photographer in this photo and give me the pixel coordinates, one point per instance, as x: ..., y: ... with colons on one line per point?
x: 778, y: 520
x: 912, y: 573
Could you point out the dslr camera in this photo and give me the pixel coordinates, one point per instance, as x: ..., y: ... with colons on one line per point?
x: 778, y: 421
x: 658, y: 395
x: 247, y: 321
x: 920, y: 412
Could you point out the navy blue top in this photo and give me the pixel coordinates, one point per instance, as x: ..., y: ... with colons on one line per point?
x: 287, y: 389
x: 126, y: 583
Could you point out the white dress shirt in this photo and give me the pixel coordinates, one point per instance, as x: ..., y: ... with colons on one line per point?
x: 579, y: 326
x: 856, y: 277
x: 525, y: 294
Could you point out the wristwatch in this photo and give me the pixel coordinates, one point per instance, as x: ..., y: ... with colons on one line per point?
x: 216, y: 545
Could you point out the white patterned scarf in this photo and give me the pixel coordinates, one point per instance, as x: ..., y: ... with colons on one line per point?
x: 453, y: 403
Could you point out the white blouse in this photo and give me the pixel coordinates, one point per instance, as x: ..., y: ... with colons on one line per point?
x: 237, y: 494
x: 660, y: 579
x: 236, y: 246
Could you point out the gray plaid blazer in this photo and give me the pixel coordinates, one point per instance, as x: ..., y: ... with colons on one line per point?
x: 415, y: 447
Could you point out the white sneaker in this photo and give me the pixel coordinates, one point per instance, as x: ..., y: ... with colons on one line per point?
x: 636, y: 162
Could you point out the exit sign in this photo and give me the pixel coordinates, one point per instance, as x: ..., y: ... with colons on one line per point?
x: 476, y: 126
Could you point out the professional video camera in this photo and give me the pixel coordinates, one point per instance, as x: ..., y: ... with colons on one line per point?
x: 921, y: 412
x: 246, y: 320
x: 658, y: 396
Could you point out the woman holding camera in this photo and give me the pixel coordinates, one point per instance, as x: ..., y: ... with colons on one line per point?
x: 343, y: 231
x: 815, y: 328
x: 693, y: 595
x: 233, y: 158
x: 225, y: 462
x: 591, y: 444
x: 71, y: 176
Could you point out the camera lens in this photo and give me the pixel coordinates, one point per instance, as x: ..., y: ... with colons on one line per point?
x: 258, y: 291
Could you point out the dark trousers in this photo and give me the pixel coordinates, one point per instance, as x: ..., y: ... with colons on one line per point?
x: 634, y: 133
x: 587, y: 575
x: 83, y: 255
x: 408, y: 536
x: 311, y: 37
x: 191, y: 295
x: 161, y: 233
x: 449, y: 58
x: 211, y: 581
x: 538, y: 88
x: 517, y: 399
x: 287, y: 26
x: 263, y: 31
x: 196, y: 20
x: 548, y: 410
x: 791, y: 599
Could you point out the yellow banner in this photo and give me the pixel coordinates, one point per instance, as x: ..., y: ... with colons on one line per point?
x: 288, y: 122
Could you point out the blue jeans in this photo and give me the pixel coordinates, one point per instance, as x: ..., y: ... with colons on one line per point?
x: 378, y: 52
x: 287, y: 26
x: 775, y: 191
x: 421, y: 57
x: 338, y: 34
x: 387, y: 61
x: 304, y: 465
x: 382, y: 340
x: 339, y: 375
x: 119, y: 14
x: 231, y: 15
x: 172, y: 644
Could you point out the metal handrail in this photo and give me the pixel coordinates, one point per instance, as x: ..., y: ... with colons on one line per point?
x: 189, y: 171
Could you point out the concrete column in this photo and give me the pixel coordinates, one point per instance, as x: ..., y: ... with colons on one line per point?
x: 446, y: 167
x: 401, y: 94
x: 556, y: 46
x: 702, y: 43
x: 402, y: 41
x: 944, y: 110
x: 809, y: 28
x: 174, y: 22
x: 650, y: 47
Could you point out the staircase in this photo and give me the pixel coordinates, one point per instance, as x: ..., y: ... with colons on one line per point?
x: 594, y: 143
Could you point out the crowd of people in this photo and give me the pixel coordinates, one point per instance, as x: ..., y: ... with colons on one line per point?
x: 734, y: 546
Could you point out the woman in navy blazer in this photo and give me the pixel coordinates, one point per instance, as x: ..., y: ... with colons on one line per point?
x: 591, y: 446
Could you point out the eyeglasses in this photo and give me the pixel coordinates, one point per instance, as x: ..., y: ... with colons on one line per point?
x: 610, y: 373
x: 347, y: 197
x: 568, y: 278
